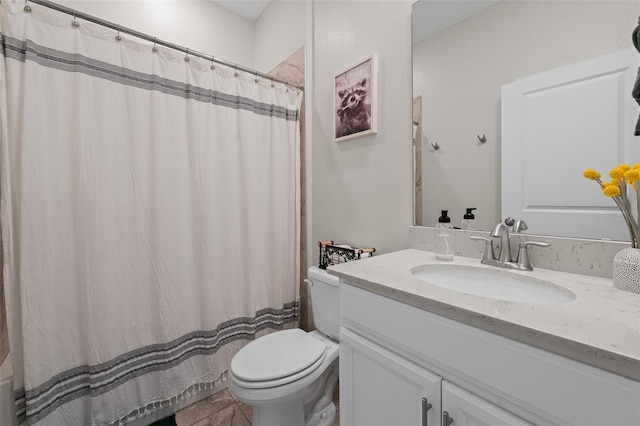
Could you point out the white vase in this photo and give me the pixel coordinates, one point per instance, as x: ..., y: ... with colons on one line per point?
x: 626, y: 270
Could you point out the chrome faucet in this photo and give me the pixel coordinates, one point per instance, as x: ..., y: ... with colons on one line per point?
x: 520, y: 226
x: 501, y: 231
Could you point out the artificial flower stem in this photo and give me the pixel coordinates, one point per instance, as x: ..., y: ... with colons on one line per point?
x: 629, y: 220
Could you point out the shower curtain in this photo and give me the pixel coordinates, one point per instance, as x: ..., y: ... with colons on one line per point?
x: 149, y: 212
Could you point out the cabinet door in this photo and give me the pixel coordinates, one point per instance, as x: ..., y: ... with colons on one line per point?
x: 378, y: 387
x: 465, y: 409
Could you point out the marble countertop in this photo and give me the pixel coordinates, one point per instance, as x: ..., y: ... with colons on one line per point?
x: 601, y: 327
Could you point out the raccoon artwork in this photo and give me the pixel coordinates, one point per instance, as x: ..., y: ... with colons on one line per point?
x: 354, y: 114
x: 354, y: 101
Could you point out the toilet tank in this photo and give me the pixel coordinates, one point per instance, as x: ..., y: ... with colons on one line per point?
x: 325, y: 302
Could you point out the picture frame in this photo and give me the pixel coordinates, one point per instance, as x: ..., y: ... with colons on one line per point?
x: 355, y: 101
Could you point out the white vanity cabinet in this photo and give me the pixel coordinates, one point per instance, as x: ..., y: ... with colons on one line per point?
x: 396, y: 358
x: 462, y: 408
x: 380, y: 388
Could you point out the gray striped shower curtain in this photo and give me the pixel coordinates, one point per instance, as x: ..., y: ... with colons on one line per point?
x: 149, y: 213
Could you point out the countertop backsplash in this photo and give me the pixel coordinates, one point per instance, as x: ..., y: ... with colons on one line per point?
x: 579, y: 256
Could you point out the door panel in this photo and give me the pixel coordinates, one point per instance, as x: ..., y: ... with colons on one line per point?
x: 555, y: 125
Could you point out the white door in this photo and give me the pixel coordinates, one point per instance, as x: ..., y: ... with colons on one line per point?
x: 379, y: 388
x: 460, y: 408
x: 555, y: 125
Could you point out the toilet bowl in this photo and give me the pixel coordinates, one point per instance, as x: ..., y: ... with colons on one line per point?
x: 288, y: 376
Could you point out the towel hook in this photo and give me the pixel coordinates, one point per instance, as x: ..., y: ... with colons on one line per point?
x: 435, y: 146
x: 482, y: 139
x: 75, y: 23
x: 27, y: 8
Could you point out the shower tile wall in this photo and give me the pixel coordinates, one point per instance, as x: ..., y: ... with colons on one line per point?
x: 292, y: 70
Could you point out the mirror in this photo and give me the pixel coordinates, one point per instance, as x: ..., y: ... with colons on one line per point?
x: 463, y: 52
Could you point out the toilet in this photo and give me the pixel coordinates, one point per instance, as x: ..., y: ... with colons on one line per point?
x: 289, y: 376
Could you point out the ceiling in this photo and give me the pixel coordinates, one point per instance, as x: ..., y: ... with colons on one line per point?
x: 250, y: 9
x: 429, y: 16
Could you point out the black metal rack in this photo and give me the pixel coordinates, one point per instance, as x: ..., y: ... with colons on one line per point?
x: 333, y: 254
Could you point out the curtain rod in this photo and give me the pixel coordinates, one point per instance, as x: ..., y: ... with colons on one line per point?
x: 155, y: 40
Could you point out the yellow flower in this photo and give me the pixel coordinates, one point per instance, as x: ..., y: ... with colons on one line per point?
x: 616, y: 173
x: 636, y: 166
x: 632, y: 175
x: 611, y: 190
x: 592, y: 174
x: 624, y: 167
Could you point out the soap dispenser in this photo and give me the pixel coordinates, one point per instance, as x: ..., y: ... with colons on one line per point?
x: 444, y: 237
x: 469, y: 220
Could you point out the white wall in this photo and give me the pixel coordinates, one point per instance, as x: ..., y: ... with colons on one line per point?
x: 361, y: 188
x: 279, y: 31
x: 200, y: 25
x: 459, y: 74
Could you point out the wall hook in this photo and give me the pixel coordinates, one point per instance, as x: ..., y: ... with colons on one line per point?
x: 435, y: 146
x: 482, y: 139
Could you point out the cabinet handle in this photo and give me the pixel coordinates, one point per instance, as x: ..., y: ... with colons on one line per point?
x: 426, y: 406
x: 446, y: 420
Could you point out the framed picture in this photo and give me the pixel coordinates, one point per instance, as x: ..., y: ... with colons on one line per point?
x: 355, y: 101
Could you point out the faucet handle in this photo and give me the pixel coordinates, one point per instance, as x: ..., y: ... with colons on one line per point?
x: 488, y: 247
x: 524, y: 263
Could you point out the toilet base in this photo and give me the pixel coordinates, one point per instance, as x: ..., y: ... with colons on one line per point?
x: 304, y: 402
x: 326, y: 417
x: 315, y: 409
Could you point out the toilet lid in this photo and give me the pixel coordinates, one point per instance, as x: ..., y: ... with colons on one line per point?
x: 277, y: 355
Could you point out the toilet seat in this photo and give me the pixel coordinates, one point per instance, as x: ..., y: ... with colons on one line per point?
x: 277, y: 359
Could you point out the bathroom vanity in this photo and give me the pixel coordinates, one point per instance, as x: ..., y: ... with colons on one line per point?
x: 413, y: 353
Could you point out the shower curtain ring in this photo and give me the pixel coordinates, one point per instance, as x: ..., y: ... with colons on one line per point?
x: 118, y: 38
x: 235, y: 67
x: 186, y: 58
x: 154, y: 48
x: 27, y: 8
x: 75, y: 23
x: 256, y: 73
x: 272, y: 83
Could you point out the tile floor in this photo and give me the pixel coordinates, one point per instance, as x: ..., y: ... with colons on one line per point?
x: 222, y: 409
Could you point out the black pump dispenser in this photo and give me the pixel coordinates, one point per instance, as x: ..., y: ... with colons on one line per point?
x: 444, y: 218
x: 469, y: 214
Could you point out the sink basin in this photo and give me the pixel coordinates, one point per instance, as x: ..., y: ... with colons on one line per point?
x: 500, y: 284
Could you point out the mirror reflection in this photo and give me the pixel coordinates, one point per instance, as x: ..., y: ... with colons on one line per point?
x: 463, y: 53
